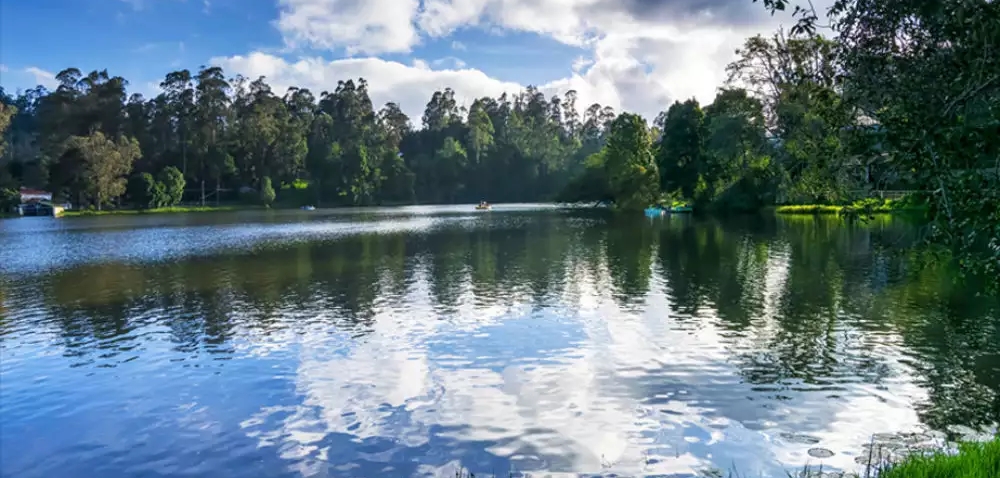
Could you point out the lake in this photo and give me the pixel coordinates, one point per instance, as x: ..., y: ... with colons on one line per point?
x: 529, y: 340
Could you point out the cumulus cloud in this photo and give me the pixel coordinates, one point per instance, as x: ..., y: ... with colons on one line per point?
x: 644, y: 54
x: 357, y: 26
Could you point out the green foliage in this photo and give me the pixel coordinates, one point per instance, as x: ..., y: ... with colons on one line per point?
x: 102, y: 164
x: 592, y: 185
x: 9, y: 199
x: 7, y: 113
x: 266, y: 191
x: 633, y: 179
x: 298, y: 184
x: 681, y: 149
x: 145, y: 192
x: 973, y: 460
x: 863, y: 207
x: 935, y: 97
x: 173, y: 183
x: 809, y: 209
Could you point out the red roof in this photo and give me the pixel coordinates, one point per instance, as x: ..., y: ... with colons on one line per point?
x: 33, y: 192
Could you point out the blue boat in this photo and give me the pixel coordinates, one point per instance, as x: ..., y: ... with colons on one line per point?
x: 657, y: 211
x: 308, y: 208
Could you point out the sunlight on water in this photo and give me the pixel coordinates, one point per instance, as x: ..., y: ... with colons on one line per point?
x: 418, y: 341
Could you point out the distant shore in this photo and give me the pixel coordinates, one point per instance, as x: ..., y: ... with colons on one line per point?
x: 162, y: 210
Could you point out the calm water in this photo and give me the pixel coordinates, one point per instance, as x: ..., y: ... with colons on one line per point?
x: 414, y: 341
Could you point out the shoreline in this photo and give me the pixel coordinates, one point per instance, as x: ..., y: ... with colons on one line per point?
x: 162, y: 210
x: 783, y: 210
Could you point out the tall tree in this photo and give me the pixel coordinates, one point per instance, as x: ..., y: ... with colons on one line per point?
x: 631, y: 168
x: 104, y: 164
x: 680, y: 153
x: 210, y: 121
x: 180, y: 103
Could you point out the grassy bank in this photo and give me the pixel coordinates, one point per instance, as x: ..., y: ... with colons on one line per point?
x: 866, y: 206
x: 973, y: 460
x: 162, y: 210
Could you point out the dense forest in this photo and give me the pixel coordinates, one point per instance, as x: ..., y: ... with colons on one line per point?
x: 783, y: 139
x: 876, y: 95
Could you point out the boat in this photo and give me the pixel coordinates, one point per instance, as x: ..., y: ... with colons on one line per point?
x: 308, y: 208
x: 483, y: 206
x: 656, y: 211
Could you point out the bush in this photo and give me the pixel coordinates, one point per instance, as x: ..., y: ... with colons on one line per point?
x: 9, y: 199
x: 266, y: 191
x: 143, y: 191
x: 173, y: 186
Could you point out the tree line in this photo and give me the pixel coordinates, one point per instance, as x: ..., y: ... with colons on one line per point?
x: 91, y: 144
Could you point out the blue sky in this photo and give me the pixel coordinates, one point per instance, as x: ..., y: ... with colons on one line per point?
x: 631, y: 54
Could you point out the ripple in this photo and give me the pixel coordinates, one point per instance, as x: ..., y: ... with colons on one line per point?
x: 425, y: 340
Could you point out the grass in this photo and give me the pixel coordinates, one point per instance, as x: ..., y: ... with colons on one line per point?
x: 864, y: 206
x: 808, y: 209
x: 973, y: 460
x: 162, y: 210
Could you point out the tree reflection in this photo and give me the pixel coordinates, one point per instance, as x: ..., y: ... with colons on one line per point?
x: 801, y: 305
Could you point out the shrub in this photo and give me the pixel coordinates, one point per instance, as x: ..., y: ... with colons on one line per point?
x: 173, y: 186
x: 9, y: 199
x: 266, y: 191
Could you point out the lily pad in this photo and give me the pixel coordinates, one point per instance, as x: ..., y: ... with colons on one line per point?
x: 799, y: 438
x: 820, y: 453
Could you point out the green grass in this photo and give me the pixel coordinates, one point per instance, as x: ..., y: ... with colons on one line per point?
x: 162, y: 210
x: 864, y: 206
x: 808, y: 209
x: 973, y: 460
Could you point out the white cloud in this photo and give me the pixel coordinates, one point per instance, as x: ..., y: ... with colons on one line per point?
x: 644, y: 54
x: 636, y: 396
x: 42, y: 77
x: 3, y: 68
x: 368, y: 26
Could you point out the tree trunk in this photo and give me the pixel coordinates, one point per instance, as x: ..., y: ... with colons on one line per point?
x: 217, y: 184
x: 203, y: 192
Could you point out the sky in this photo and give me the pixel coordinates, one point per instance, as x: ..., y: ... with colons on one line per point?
x: 635, y: 55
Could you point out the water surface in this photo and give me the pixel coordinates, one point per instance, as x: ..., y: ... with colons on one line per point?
x: 530, y: 339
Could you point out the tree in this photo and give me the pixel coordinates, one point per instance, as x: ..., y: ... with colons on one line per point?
x: 737, y: 169
x: 680, y: 155
x: 632, y: 175
x: 211, y: 112
x: 591, y: 185
x: 104, y: 164
x: 179, y: 101
x: 9, y: 199
x: 7, y: 113
x: 921, y: 71
x: 173, y: 183
x: 145, y: 192
x: 266, y: 191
